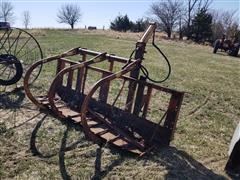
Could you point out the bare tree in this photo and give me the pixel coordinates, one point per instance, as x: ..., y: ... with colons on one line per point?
x: 204, y: 4
x: 6, y: 11
x: 69, y: 14
x: 224, y: 22
x: 190, y: 8
x: 167, y: 14
x: 194, y: 6
x: 26, y: 19
x: 217, y: 26
x: 180, y: 23
x: 229, y: 21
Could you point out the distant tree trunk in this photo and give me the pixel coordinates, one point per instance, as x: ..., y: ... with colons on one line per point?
x: 191, y: 5
x: 197, y: 38
x: 180, y: 29
x: 169, y: 33
x: 26, y: 19
x: 189, y: 20
x: 72, y: 26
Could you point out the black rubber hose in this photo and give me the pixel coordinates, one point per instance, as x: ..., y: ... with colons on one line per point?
x: 145, y: 71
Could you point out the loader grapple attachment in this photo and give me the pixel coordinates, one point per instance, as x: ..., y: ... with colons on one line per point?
x: 105, y: 95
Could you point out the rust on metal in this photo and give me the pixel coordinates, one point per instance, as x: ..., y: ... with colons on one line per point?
x: 231, y: 46
x: 119, y: 114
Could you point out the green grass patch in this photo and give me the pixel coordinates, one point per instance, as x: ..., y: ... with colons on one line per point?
x: 209, y: 114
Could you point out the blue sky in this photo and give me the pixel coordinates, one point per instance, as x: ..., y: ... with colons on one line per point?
x: 94, y: 12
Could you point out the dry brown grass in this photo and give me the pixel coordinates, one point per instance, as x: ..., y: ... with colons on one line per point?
x: 207, y: 120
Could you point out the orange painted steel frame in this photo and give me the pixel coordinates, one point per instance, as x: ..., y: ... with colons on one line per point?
x: 128, y: 129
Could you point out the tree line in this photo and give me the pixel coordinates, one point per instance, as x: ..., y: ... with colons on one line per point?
x: 68, y: 13
x: 190, y: 18
x: 122, y: 23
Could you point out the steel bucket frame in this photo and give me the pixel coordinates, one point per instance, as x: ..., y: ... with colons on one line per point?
x: 128, y: 128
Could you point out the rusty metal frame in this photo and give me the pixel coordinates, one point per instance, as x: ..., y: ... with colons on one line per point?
x: 94, y: 114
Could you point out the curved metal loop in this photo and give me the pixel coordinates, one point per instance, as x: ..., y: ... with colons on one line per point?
x: 51, y: 92
x: 84, y: 108
x: 40, y: 62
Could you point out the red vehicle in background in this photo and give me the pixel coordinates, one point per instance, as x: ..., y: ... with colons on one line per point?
x: 227, y: 45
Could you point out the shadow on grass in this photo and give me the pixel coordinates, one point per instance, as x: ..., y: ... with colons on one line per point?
x: 13, y: 105
x: 13, y: 99
x: 223, y: 53
x: 180, y: 165
x: 99, y: 173
x: 177, y: 164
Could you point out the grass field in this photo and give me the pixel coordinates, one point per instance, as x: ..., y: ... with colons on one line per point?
x: 209, y: 115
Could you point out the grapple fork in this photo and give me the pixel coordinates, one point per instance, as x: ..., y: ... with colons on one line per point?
x: 121, y: 108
